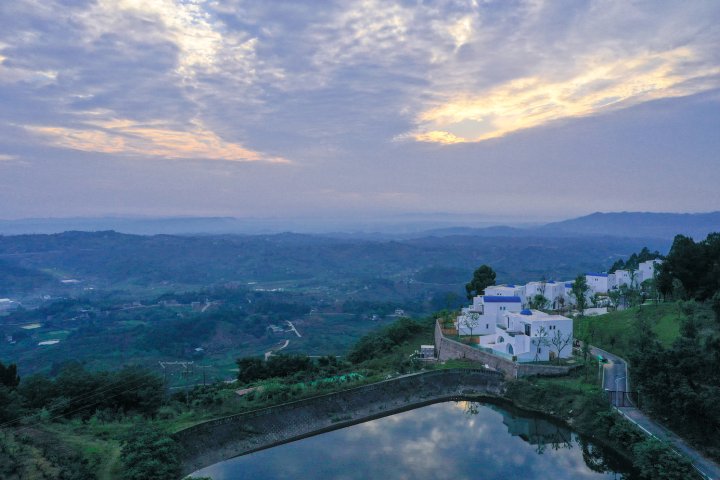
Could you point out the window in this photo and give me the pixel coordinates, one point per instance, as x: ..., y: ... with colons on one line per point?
x: 487, y: 326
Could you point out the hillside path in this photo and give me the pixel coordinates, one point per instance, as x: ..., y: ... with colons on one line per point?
x: 615, y: 377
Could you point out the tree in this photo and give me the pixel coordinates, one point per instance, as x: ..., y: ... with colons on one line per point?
x: 560, y: 341
x: 470, y: 321
x: 657, y: 461
x: 615, y: 298
x: 9, y: 376
x: 539, y: 302
x: 483, y: 277
x: 149, y: 453
x: 579, y: 290
x: 716, y: 305
x: 540, y: 341
x: 585, y: 354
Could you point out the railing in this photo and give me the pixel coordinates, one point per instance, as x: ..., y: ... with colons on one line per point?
x: 620, y: 398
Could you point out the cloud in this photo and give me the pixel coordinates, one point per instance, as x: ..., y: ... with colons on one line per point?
x: 331, y: 87
x: 7, y: 158
x: 151, y: 140
x: 599, y: 85
x: 10, y: 74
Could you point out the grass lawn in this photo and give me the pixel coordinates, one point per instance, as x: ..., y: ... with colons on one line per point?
x: 613, y: 331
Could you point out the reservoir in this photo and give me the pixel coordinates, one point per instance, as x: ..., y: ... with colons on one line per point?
x: 458, y: 440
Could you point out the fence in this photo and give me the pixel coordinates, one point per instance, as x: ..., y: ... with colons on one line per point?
x: 620, y: 398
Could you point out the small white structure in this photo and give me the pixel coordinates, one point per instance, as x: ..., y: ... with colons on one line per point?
x: 508, y: 290
x: 597, y: 282
x: 531, y: 335
x: 622, y: 277
x: 553, y: 291
x: 484, y: 314
x: 647, y: 270
x: 427, y: 351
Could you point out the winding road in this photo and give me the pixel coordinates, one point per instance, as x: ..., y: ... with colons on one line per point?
x: 615, y: 378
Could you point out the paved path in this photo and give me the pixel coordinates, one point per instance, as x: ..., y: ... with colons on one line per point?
x: 270, y: 353
x: 615, y: 377
x: 292, y: 327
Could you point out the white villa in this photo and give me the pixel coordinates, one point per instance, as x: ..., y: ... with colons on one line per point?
x: 605, y: 282
x: 529, y: 335
x: 503, y: 325
x: 597, y: 282
x: 503, y: 322
x: 486, y: 312
x: 647, y: 269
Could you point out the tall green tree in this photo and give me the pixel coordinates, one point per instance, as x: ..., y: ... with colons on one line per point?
x: 9, y: 376
x: 691, y: 270
x: 483, y: 277
x: 657, y: 461
x: 579, y: 290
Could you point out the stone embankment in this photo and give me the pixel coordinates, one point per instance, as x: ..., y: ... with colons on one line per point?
x: 218, y: 440
x: 446, y: 349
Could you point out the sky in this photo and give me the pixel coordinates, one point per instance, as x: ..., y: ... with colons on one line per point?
x: 525, y: 110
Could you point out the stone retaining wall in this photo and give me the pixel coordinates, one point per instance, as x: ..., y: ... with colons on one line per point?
x: 446, y: 349
x: 217, y: 440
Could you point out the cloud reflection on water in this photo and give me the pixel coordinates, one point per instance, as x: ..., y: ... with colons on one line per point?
x: 437, y: 441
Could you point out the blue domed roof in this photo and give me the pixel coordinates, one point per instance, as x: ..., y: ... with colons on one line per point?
x: 526, y: 312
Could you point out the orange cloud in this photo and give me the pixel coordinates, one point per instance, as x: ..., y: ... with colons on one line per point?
x: 127, y: 137
x: 530, y: 102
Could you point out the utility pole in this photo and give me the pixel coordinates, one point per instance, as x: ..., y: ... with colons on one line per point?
x: 203, y: 367
x: 186, y: 369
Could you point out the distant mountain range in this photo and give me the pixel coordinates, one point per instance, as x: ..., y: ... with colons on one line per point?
x: 615, y: 224
x: 639, y: 224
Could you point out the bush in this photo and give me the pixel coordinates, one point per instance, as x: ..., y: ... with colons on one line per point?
x: 148, y: 453
x: 384, y: 341
x: 656, y: 461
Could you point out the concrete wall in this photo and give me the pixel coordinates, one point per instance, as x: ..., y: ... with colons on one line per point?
x: 447, y: 349
x: 217, y: 440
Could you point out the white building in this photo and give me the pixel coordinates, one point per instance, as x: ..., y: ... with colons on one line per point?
x: 502, y: 325
x: 427, y: 351
x: 597, y: 282
x: 529, y: 334
x: 622, y: 277
x: 553, y: 291
x: 508, y: 290
x: 485, y: 313
x: 647, y: 270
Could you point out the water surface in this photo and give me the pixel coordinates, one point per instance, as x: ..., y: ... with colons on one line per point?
x: 457, y: 440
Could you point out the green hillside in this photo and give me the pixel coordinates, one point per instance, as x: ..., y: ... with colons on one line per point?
x: 614, y: 331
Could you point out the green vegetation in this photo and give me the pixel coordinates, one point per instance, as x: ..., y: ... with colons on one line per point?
x: 579, y: 401
x: 691, y: 270
x: 78, y: 420
x: 613, y: 331
x: 483, y: 277
x: 385, y: 341
x: 83, y: 424
x: 579, y: 289
x: 633, y: 262
x: 680, y: 383
x: 674, y: 348
x: 105, y: 330
x: 148, y: 453
x: 300, y: 367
